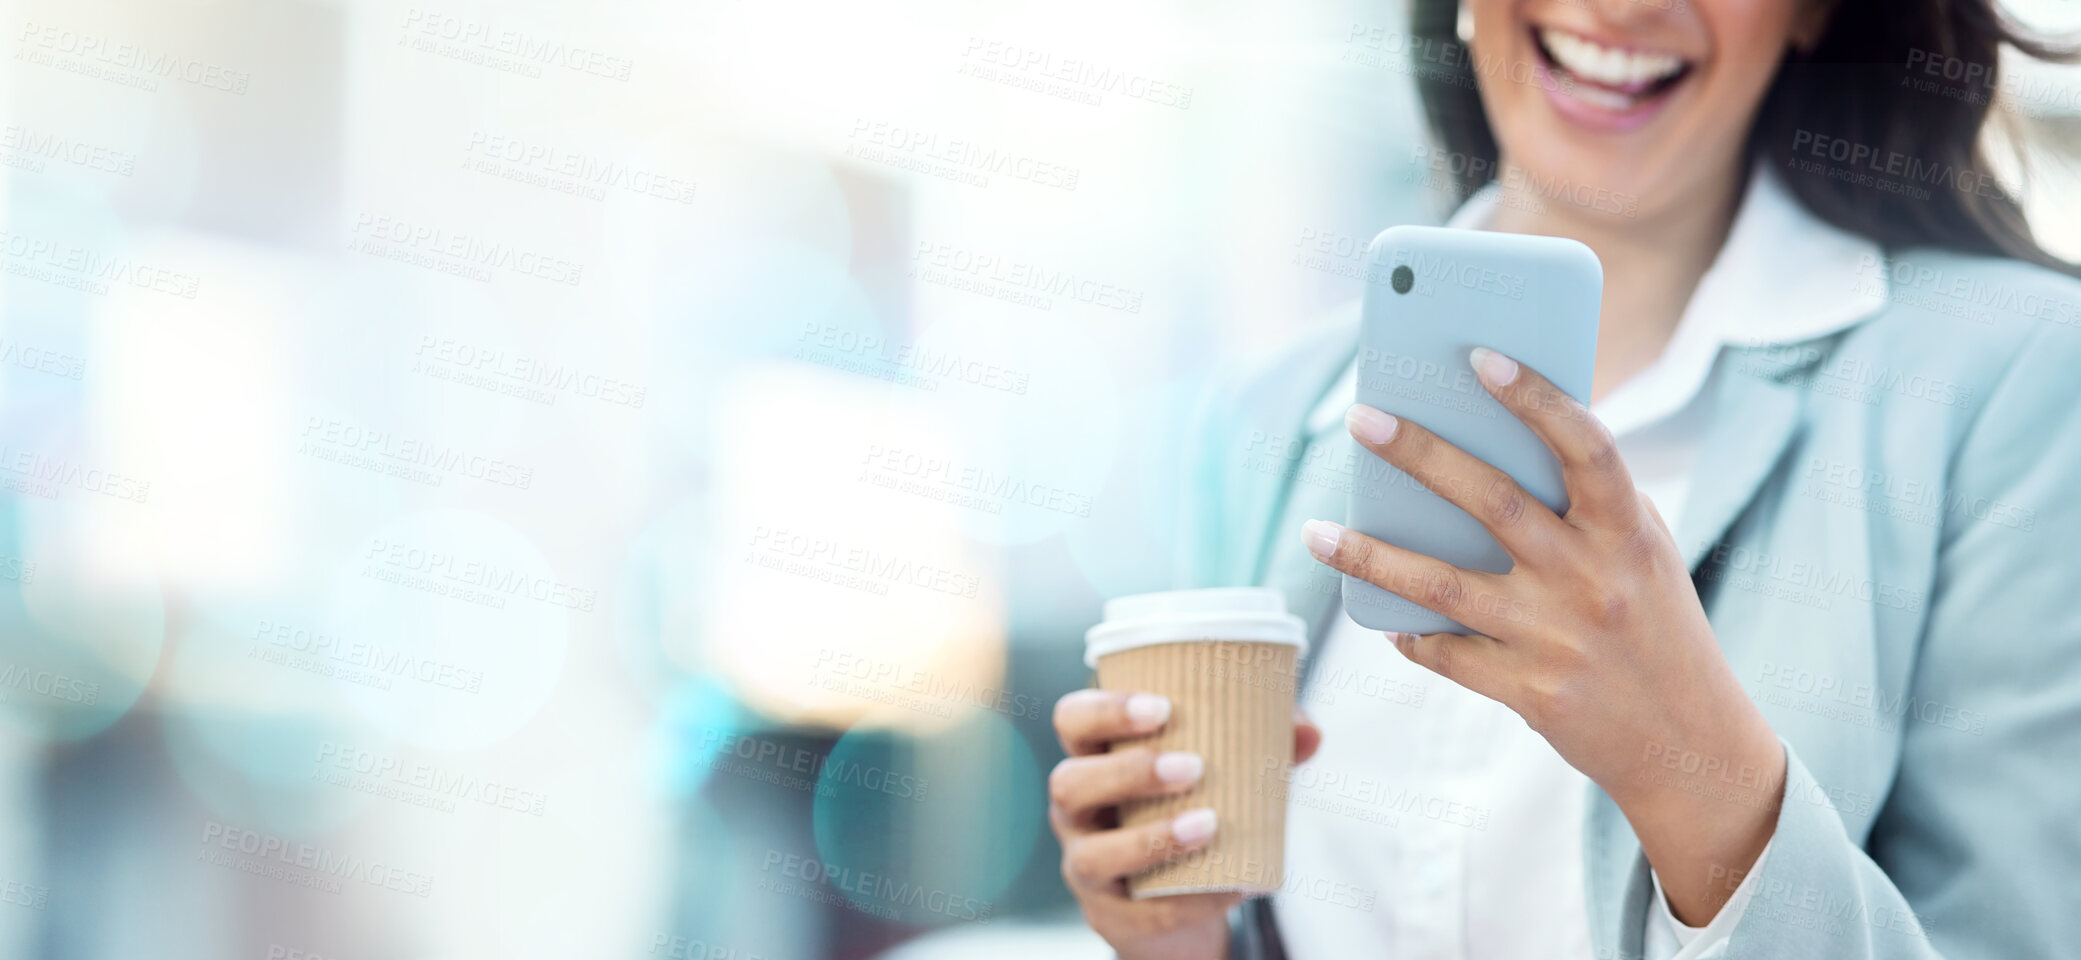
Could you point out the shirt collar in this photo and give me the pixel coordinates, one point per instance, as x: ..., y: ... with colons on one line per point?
x: 1782, y: 276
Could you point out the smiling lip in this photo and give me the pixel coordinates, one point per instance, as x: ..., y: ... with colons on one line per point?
x: 1629, y: 90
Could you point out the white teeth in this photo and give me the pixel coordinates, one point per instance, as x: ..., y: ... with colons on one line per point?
x: 1609, y: 66
x: 1607, y: 99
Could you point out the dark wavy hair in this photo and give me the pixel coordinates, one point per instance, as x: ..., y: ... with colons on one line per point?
x: 1914, y: 81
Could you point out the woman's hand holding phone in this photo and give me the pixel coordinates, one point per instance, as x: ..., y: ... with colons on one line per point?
x: 1084, y: 794
x: 1596, y: 636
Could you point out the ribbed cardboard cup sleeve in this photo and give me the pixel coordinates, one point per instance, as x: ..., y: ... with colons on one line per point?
x: 1232, y: 703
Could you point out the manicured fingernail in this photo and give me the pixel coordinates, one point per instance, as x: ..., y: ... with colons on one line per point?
x: 1193, y: 827
x: 1322, y: 537
x: 1179, y: 767
x: 1493, y: 368
x: 1373, y: 426
x: 1148, y: 711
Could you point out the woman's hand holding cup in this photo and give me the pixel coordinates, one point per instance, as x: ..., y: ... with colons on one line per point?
x: 1085, y: 792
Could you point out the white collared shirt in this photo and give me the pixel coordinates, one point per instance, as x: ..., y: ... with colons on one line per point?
x: 1447, y: 829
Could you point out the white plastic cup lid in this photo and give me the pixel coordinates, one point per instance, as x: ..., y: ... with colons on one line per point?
x: 1250, y: 614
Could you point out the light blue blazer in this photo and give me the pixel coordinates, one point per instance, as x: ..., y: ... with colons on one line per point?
x: 1885, y: 529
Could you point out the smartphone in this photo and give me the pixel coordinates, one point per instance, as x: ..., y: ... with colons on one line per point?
x: 1432, y: 295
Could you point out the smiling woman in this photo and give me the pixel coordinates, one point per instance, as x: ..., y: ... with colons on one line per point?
x: 1768, y: 504
x: 1780, y: 82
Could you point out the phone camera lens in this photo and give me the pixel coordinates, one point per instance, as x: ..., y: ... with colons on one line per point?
x: 1403, y: 278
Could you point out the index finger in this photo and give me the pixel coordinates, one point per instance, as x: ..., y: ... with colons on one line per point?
x: 1591, y: 468
x: 1088, y: 721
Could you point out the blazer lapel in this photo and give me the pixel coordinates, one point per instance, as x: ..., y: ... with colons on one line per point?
x: 1252, y: 455
x: 1303, y: 487
x: 1312, y: 591
x: 1754, y: 423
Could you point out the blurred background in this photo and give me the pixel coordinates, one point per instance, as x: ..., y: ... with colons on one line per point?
x: 630, y: 478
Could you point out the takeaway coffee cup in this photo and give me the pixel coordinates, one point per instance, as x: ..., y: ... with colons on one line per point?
x: 1228, y: 660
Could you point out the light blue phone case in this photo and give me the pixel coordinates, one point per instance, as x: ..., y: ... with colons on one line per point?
x: 1432, y: 295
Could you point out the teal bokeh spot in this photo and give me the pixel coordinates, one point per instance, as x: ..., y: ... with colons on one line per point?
x: 76, y: 650
x: 698, y: 720
x: 264, y: 771
x: 927, y: 831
